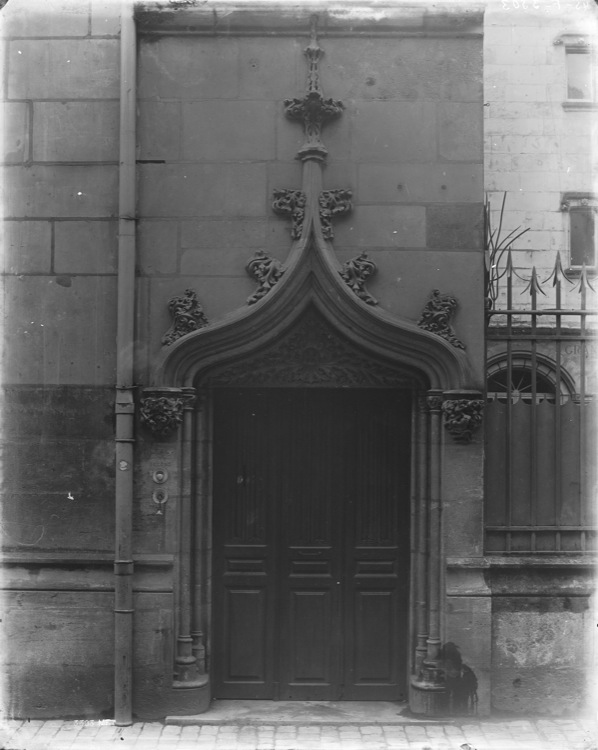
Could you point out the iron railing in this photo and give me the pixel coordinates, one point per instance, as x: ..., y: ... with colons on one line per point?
x: 540, y: 416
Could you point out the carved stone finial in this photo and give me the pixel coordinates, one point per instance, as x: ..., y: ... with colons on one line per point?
x: 333, y: 203
x: 461, y: 417
x: 188, y: 316
x: 355, y: 273
x: 436, y: 317
x: 434, y: 402
x: 312, y: 109
x: 161, y: 410
x: 291, y: 203
x: 267, y: 271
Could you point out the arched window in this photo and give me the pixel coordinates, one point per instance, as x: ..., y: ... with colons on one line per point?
x: 516, y: 381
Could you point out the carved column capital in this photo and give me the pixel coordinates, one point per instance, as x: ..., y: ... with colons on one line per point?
x: 463, y: 412
x: 161, y: 409
x: 434, y: 401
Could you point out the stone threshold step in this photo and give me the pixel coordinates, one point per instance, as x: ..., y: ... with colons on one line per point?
x: 317, y: 713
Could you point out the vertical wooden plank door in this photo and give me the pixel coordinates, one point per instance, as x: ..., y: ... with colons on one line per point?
x: 311, y: 543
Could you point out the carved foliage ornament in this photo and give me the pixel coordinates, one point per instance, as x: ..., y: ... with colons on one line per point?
x: 437, y: 315
x: 267, y: 271
x: 291, y: 203
x: 461, y: 417
x: 355, y: 273
x: 187, y: 314
x: 161, y: 412
x: 333, y: 203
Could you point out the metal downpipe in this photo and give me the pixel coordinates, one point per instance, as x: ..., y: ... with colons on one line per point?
x: 124, y: 403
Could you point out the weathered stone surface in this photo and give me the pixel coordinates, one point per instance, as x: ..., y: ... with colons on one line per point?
x: 202, y: 190
x: 457, y: 227
x: 80, y: 350
x: 382, y: 226
x: 157, y: 247
x: 27, y: 246
x: 409, y: 183
x: 219, y: 130
x: 389, y: 131
x: 15, y: 132
x: 63, y: 69
x: 75, y: 131
x: 190, y: 67
x: 159, y: 130
x: 62, y: 18
x: 223, y: 233
x: 57, y: 191
x: 85, y: 247
x: 271, y: 68
x: 105, y: 18
x: 460, y: 131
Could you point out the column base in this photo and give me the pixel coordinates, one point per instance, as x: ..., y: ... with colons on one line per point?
x: 427, y: 698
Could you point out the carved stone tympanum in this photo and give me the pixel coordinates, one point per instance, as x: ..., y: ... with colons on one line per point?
x: 461, y: 417
x: 187, y: 316
x: 355, y: 273
x: 437, y: 315
x: 267, y: 271
x: 291, y: 203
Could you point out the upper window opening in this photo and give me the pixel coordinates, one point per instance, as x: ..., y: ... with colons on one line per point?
x: 580, y: 84
x: 583, y: 228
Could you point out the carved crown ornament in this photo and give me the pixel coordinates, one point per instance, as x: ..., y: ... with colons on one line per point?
x: 187, y: 316
x: 436, y: 317
x: 161, y: 409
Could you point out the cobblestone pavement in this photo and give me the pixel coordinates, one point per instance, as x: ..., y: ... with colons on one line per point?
x: 483, y: 735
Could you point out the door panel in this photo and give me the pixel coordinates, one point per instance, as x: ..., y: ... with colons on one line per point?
x: 311, y: 544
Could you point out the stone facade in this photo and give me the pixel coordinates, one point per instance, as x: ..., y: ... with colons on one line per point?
x: 213, y: 144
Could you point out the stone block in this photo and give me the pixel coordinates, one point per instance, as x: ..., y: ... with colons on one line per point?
x: 455, y: 227
x: 271, y: 67
x: 57, y: 191
x: 517, y: 92
x: 544, y: 180
x: 388, y: 131
x: 16, y: 122
x: 75, y: 131
x: 63, y: 69
x: 509, y: 181
x: 27, y: 246
x: 159, y: 130
x: 216, y: 262
x: 63, y: 18
x: 173, y: 67
x: 223, y: 233
x: 202, y: 190
x: 382, y: 226
x: 228, y: 130
x: 419, y: 183
x: 80, y: 350
x: 460, y: 132
x: 157, y: 247
x: 105, y: 18
x: 85, y: 247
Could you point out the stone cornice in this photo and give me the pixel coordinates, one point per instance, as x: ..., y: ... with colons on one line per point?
x: 266, y: 19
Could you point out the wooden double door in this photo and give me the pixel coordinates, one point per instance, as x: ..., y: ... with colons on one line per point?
x: 311, y: 543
